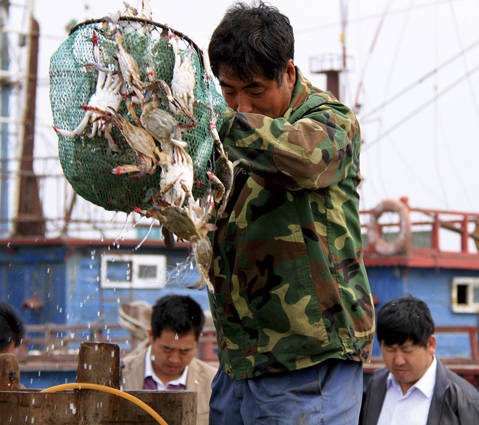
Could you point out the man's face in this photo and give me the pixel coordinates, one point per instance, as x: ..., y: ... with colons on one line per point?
x: 408, y: 362
x: 259, y: 95
x: 171, y: 353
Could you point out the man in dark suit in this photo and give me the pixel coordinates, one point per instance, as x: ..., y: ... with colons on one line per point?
x: 414, y: 388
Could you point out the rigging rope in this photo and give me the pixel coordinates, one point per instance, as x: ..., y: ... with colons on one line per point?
x: 419, y: 108
x: 419, y: 81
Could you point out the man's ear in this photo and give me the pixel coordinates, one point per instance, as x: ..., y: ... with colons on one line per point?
x: 290, y: 74
x: 150, y: 336
x: 431, y: 344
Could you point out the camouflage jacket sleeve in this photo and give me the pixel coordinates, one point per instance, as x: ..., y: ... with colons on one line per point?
x: 312, y: 152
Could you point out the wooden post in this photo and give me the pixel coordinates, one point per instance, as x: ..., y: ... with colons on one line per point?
x: 9, y: 372
x: 99, y: 363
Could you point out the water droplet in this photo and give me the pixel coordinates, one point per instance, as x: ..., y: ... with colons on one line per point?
x: 73, y: 408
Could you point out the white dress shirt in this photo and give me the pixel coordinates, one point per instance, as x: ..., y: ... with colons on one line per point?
x: 150, y: 372
x: 411, y: 408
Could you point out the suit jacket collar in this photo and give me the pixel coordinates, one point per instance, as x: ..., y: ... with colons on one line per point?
x: 442, y: 384
x: 378, y: 388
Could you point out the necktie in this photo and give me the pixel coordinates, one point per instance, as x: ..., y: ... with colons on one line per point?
x: 149, y: 384
x: 175, y: 387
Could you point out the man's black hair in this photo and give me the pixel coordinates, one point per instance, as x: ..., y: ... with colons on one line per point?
x: 11, y: 326
x: 177, y: 313
x: 402, y: 319
x: 252, y: 40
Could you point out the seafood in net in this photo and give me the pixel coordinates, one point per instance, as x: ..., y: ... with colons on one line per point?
x: 106, y: 97
x: 184, y: 78
x: 190, y: 223
x: 139, y: 140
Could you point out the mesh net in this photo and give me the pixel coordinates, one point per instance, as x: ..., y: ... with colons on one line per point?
x: 87, y: 161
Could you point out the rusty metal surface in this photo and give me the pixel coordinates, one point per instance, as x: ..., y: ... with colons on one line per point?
x: 95, y: 408
x: 98, y: 364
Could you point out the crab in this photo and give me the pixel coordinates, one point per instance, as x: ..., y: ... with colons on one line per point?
x: 162, y: 126
x: 106, y: 97
x: 184, y: 78
x: 176, y: 180
x: 139, y: 140
x: 129, y: 69
x: 190, y: 223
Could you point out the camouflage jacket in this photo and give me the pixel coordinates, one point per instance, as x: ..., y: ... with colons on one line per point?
x: 291, y: 289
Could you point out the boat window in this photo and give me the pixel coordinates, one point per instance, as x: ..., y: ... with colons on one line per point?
x: 465, y: 295
x: 133, y: 271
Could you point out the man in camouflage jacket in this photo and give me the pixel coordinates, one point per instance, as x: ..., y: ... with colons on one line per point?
x: 291, y: 292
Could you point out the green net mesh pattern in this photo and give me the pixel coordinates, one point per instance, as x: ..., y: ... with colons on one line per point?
x: 86, y: 161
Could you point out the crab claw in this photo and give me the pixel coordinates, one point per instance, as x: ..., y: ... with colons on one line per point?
x: 220, y: 186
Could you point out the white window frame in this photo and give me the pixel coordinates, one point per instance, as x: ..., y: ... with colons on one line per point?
x: 136, y: 261
x: 470, y: 306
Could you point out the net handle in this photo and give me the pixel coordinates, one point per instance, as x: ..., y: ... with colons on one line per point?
x: 149, y: 22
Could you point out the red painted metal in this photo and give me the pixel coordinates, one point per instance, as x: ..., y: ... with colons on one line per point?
x: 432, y: 221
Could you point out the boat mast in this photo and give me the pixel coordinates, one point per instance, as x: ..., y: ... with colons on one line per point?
x: 330, y: 64
x: 30, y: 220
x: 5, y: 91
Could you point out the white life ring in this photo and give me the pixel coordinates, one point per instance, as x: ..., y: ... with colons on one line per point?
x: 401, y: 243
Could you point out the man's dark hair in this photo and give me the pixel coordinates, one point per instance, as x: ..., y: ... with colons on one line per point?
x: 252, y: 40
x: 402, y: 319
x: 11, y: 326
x: 177, y: 313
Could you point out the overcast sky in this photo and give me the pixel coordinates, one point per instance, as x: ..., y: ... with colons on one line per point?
x: 420, y: 128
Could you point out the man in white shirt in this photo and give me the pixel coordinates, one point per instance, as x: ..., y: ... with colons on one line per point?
x: 168, y: 362
x: 415, y: 388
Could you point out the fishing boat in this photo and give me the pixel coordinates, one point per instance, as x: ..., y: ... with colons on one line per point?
x: 70, y: 267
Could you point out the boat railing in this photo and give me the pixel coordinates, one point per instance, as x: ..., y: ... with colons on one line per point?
x: 55, y: 346
x: 393, y: 228
x: 472, y: 332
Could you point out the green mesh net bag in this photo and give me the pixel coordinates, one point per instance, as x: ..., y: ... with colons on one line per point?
x: 87, y: 70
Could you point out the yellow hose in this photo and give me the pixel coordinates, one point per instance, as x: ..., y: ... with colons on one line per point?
x: 106, y: 389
